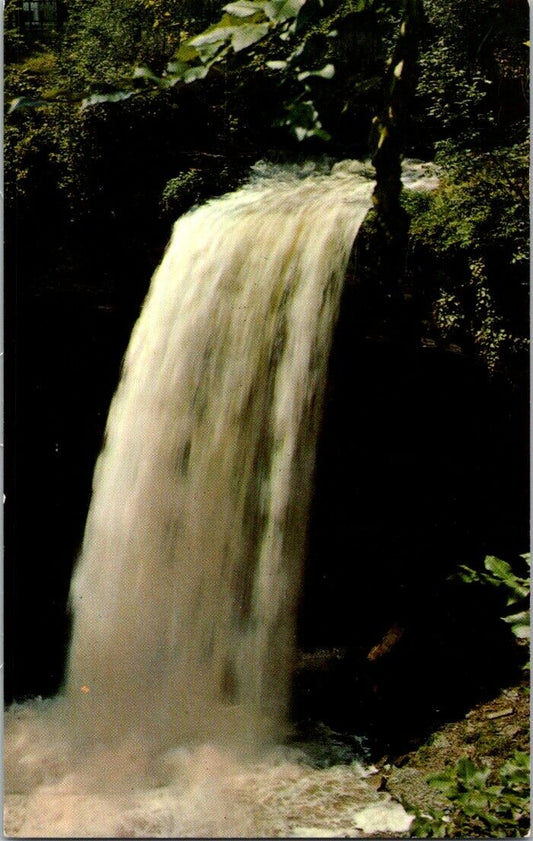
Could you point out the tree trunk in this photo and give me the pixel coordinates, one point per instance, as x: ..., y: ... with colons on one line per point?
x: 382, y: 242
x: 390, y: 126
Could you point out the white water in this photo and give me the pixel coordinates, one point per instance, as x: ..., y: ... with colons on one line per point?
x: 185, y: 592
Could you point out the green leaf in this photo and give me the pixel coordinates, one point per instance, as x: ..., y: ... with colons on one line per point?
x: 26, y: 102
x: 195, y: 73
x: 213, y: 35
x: 470, y: 576
x: 277, y: 65
x: 501, y: 569
x: 446, y: 782
x: 146, y: 74
x: 302, y: 119
x: 177, y: 69
x: 504, y: 574
x: 279, y: 11
x: 470, y: 774
x: 244, y: 8
x: 99, y: 98
x: 326, y: 72
x: 187, y: 53
x: 215, y: 50
x: 515, y: 772
x: 519, y: 623
x: 473, y: 803
x: 248, y: 34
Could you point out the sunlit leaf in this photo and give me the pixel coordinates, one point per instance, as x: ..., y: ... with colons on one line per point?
x: 498, y: 567
x: 282, y: 10
x: 326, y: 72
x: 145, y: 74
x: 177, y: 68
x: 244, y: 8
x: 26, y: 102
x: 186, y: 53
x: 468, y: 575
x: 195, y: 73
x: 99, y: 98
x: 213, y: 35
x: 248, y: 34
x: 519, y: 623
x: 210, y: 51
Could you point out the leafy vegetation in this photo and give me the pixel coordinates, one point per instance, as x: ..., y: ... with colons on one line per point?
x: 483, y: 803
x: 516, y: 590
x: 470, y: 242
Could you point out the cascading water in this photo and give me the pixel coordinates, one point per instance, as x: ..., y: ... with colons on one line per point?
x: 185, y: 591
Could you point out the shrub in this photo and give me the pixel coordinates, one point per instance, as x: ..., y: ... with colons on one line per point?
x: 483, y: 803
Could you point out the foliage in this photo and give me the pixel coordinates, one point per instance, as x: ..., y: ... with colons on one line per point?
x: 15, y: 42
x: 466, y: 62
x: 317, y: 68
x: 106, y: 38
x: 182, y: 191
x: 474, y: 230
x: 245, y: 23
x: 483, y: 803
x: 119, y: 50
x: 483, y: 200
x: 516, y: 588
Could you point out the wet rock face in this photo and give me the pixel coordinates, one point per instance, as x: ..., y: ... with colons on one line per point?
x: 421, y: 466
x: 411, y: 784
x: 413, y: 477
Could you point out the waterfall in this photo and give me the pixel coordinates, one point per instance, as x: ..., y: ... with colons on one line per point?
x: 184, y: 595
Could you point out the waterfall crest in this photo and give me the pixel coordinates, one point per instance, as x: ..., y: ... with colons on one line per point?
x: 184, y: 594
